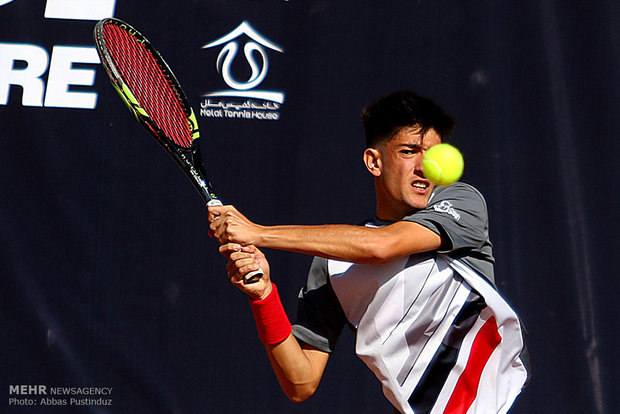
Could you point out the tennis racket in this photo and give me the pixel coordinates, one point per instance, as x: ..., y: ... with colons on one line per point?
x: 154, y: 96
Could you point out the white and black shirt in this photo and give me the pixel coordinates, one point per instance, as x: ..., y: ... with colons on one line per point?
x: 413, y: 315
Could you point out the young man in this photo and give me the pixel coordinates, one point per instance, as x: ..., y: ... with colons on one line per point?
x: 415, y: 282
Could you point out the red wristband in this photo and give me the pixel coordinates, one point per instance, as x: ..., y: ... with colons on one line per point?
x: 271, y: 321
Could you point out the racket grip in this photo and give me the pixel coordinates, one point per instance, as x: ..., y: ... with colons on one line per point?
x: 253, y: 277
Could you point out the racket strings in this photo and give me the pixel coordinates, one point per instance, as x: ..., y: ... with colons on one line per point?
x: 149, y: 83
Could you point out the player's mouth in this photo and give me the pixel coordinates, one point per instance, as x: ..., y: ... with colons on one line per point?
x: 420, y: 186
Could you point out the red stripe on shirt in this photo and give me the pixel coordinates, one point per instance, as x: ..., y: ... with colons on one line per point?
x: 466, y: 387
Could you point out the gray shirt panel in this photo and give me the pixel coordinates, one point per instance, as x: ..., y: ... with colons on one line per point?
x: 320, y: 317
x: 457, y: 212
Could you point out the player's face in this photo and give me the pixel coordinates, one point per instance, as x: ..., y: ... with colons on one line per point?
x: 402, y: 187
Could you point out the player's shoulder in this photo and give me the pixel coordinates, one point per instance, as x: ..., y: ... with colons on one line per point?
x: 458, y: 190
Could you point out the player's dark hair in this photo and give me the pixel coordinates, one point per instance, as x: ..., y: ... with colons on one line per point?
x: 385, y: 117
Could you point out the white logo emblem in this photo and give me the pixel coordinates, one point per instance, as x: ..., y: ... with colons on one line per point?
x: 248, y: 108
x: 446, y: 207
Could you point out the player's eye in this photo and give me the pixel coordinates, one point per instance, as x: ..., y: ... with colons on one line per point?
x: 409, y: 151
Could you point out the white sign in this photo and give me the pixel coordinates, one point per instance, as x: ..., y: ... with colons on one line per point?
x: 79, y: 9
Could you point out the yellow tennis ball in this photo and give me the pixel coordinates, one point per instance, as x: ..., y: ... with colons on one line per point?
x: 443, y: 164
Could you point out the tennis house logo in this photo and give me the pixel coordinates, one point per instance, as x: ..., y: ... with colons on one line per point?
x: 243, y: 99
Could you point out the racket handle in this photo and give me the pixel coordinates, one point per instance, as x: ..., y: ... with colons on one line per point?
x: 253, y: 277
x: 212, y: 201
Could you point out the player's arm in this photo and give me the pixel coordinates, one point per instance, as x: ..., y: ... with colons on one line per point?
x: 299, y: 369
x: 355, y: 244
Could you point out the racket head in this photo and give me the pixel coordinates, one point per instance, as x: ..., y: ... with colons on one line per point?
x: 146, y: 84
x: 149, y: 88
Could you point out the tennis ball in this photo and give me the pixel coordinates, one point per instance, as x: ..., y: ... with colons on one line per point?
x: 443, y: 164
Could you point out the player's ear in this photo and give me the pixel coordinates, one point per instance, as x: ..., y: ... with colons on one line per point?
x: 372, y: 160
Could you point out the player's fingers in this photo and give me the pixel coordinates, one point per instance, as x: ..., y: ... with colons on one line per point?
x: 238, y: 253
x: 217, y: 230
x: 237, y: 260
x: 248, y: 248
x: 246, y: 266
x: 229, y: 268
x: 213, y: 212
x: 214, y: 225
x: 211, y: 216
x: 232, y: 269
x: 227, y: 249
x: 242, y: 259
x: 241, y: 269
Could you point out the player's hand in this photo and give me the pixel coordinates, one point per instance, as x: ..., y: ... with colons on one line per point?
x: 228, y: 225
x: 243, y: 260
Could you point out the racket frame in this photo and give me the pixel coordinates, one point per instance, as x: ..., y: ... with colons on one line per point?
x: 189, y: 159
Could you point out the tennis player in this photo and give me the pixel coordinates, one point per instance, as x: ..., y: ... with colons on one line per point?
x: 416, y: 282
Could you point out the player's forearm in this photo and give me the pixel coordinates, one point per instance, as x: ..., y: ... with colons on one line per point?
x: 355, y: 244
x: 298, y: 371
x: 343, y: 242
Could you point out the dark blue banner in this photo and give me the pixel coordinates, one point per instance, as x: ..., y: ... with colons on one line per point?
x: 115, y: 300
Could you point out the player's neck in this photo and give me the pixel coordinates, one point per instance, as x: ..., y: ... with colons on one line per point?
x: 391, y: 212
